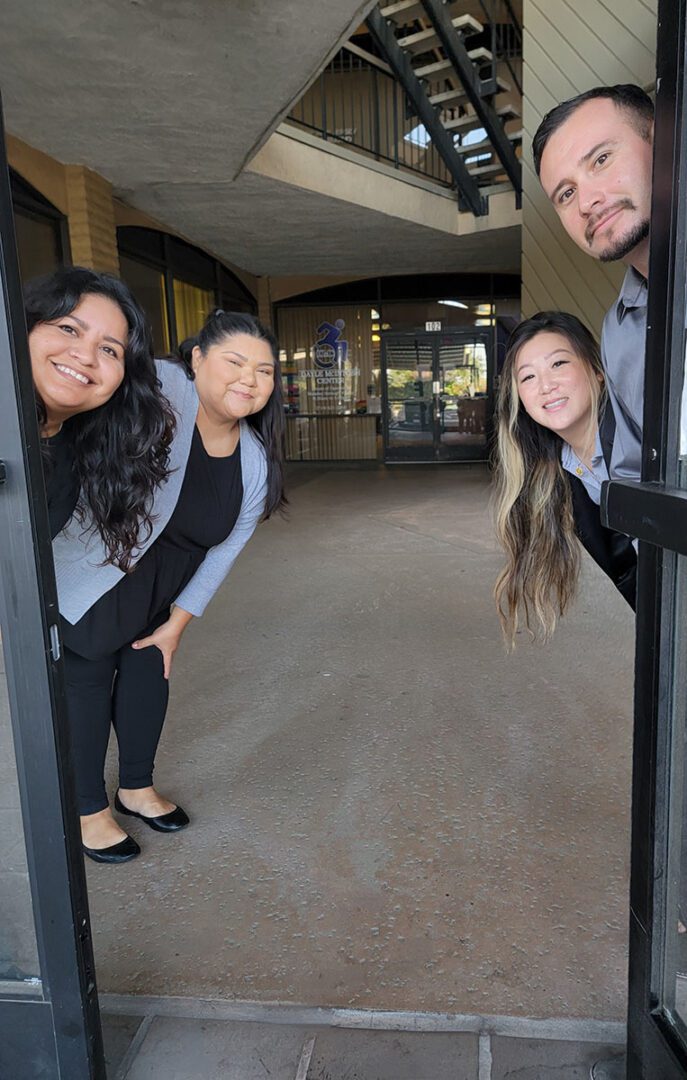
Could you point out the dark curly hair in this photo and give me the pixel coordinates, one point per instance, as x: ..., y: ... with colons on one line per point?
x: 268, y: 424
x: 120, y: 449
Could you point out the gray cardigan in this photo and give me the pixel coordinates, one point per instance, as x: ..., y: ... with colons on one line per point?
x: 83, y: 575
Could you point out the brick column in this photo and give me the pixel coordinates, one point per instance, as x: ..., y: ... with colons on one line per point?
x: 265, y: 301
x: 92, y: 230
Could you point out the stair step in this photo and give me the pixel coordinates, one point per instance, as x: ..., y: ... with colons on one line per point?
x: 420, y: 40
x: 471, y: 120
x: 486, y: 170
x: 482, y: 55
x: 482, y: 147
x: 496, y: 188
x: 401, y: 8
x: 404, y: 11
x: 458, y: 93
x: 431, y: 69
x: 445, y: 65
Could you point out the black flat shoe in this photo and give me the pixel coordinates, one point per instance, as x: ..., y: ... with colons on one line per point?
x: 173, y: 821
x: 123, y: 851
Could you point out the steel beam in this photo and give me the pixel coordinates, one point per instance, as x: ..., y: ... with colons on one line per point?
x: 456, y: 52
x: 469, y: 194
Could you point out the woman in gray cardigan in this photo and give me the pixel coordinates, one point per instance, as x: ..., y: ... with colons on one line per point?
x: 225, y: 475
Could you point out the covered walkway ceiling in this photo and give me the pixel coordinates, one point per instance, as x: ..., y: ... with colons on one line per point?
x: 150, y: 91
x: 171, y: 99
x: 273, y: 228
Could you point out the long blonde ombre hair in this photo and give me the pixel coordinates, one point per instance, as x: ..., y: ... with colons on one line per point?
x: 533, y: 500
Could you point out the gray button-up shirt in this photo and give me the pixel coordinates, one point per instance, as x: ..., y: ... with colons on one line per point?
x: 623, y: 344
x: 591, y: 478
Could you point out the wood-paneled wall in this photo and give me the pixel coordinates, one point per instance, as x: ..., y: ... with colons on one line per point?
x: 570, y: 46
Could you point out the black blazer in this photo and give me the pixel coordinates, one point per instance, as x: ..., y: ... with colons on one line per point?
x: 613, y: 551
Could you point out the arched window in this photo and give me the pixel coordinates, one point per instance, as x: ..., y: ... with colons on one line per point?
x: 41, y: 230
x: 176, y: 283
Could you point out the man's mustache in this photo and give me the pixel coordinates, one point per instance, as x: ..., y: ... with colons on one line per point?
x: 622, y: 204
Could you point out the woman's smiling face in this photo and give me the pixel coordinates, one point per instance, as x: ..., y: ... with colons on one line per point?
x: 234, y: 377
x: 553, y: 384
x: 77, y: 360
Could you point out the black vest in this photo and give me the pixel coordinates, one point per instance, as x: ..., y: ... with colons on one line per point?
x: 613, y: 551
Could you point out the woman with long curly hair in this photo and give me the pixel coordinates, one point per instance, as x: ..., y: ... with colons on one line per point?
x: 550, y: 464
x: 105, y: 427
x: 121, y: 630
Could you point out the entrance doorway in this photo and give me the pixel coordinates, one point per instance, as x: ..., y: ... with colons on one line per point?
x: 437, y: 395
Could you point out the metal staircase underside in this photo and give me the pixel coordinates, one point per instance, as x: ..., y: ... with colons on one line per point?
x: 454, y: 90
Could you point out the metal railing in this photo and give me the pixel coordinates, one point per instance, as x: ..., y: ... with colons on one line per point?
x: 505, y: 35
x: 359, y: 104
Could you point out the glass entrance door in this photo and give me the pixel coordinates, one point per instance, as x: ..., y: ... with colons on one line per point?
x: 464, y: 399
x: 655, y: 511
x: 437, y: 397
x: 408, y: 398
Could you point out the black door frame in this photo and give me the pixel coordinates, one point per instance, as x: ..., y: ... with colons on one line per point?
x: 655, y: 511
x: 464, y: 455
x: 57, y: 1032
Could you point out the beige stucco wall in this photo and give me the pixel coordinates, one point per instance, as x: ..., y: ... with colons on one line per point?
x: 296, y: 157
x: 568, y: 48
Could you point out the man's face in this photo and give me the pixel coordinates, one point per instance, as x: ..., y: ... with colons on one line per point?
x: 596, y: 170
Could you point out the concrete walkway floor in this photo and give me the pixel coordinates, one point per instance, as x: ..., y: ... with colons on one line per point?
x: 389, y: 813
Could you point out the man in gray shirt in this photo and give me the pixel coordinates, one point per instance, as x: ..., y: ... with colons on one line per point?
x: 593, y: 155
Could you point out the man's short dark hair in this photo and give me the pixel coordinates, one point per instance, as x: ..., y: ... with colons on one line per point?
x: 625, y: 96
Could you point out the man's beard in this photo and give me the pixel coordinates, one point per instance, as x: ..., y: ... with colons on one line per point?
x: 625, y: 244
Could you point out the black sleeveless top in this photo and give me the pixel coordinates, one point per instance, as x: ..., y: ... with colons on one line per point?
x: 208, y: 507
x: 61, y: 483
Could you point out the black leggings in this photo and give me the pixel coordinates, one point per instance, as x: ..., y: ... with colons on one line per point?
x: 127, y: 690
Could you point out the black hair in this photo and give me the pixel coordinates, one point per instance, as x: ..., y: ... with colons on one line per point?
x: 555, y: 322
x: 627, y: 96
x: 268, y: 424
x: 121, y: 449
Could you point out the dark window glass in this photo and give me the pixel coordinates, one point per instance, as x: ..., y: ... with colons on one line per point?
x: 197, y: 281
x: 148, y: 286
x: 40, y: 229
x: 38, y: 244
x: 233, y: 294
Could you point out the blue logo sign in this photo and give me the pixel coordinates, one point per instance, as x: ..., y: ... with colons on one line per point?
x: 331, y: 348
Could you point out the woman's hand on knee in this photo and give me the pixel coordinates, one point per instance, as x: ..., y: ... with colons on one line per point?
x: 166, y: 638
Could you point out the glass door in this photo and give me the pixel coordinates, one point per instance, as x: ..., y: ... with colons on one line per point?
x: 655, y: 511
x: 436, y: 394
x: 49, y: 1021
x: 408, y: 395
x: 464, y: 418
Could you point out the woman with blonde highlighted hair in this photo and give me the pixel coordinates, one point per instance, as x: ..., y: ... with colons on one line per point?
x: 553, y: 440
